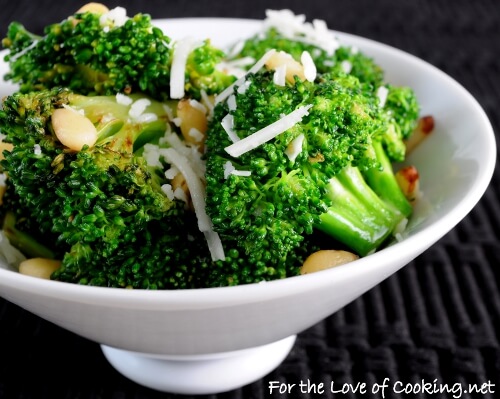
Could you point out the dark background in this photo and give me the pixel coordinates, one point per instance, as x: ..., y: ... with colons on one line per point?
x: 436, y: 319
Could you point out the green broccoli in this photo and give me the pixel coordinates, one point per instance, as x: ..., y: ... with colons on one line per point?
x: 96, y: 205
x: 341, y: 60
x: 92, y: 54
x: 279, y: 196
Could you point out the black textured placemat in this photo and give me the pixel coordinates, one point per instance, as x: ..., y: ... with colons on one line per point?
x: 435, y: 322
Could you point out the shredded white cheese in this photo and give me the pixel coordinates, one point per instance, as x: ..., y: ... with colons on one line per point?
x: 182, y: 48
x: 37, y: 150
x: 243, y: 88
x: 116, y: 16
x: 197, y: 192
x: 267, y: 133
x: 8, y: 252
x: 197, y: 105
x: 167, y: 190
x: 223, y: 95
x: 168, y: 111
x: 207, y: 102
x: 151, y: 155
x: 171, y: 172
x: 215, y: 245
x: 78, y: 111
x: 382, y: 93
x: 309, y: 66
x: 196, y: 135
x: 138, y: 107
x: 279, y: 77
x: 180, y: 195
x: 3, y: 178
x: 346, y: 66
x: 229, y: 169
x: 123, y: 99
x: 228, y: 125
x: 295, y: 27
x: 295, y: 147
x: 231, y: 102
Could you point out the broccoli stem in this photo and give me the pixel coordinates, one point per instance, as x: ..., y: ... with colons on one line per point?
x: 384, y: 183
x: 357, y: 216
x: 28, y: 245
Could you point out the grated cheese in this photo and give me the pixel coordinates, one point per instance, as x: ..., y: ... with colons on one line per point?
x: 167, y: 190
x: 267, y: 133
x: 228, y: 125
x: 123, y: 99
x: 197, y: 105
x: 171, y: 172
x: 296, y: 28
x: 223, y: 95
x: 181, y: 52
x: 207, y: 102
x: 346, y: 66
x: 116, y: 16
x: 146, y: 117
x: 243, y: 88
x: 309, y: 66
x: 231, y: 102
x: 151, y: 155
x: 295, y: 148
x: 215, y: 245
x: 168, y: 111
x: 197, y: 191
x: 279, y: 76
x: 138, y: 107
x: 37, y: 150
x: 229, y: 169
x: 180, y: 195
x: 196, y: 135
x: 382, y: 93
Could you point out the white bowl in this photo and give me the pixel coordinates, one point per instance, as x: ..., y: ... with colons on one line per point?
x: 214, y: 340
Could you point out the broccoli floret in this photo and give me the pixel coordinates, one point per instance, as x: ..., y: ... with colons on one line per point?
x: 341, y: 60
x: 333, y: 183
x: 203, y: 72
x: 92, y: 55
x: 102, y: 201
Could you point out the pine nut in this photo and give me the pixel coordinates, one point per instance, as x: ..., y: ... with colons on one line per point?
x: 39, y: 267
x: 326, y: 259
x: 73, y: 129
